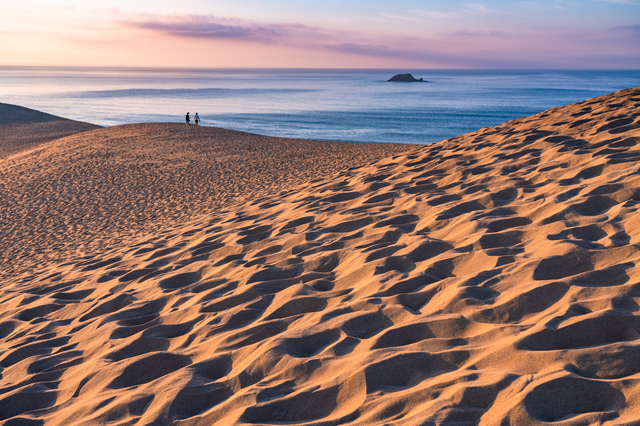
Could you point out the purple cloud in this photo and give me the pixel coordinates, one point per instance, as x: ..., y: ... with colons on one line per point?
x: 211, y: 27
x: 204, y: 30
x: 481, y: 9
x: 628, y: 30
x: 422, y: 54
x: 366, y: 49
x: 484, y: 49
x: 467, y: 33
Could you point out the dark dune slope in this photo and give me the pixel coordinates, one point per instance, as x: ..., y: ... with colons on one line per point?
x: 23, y: 128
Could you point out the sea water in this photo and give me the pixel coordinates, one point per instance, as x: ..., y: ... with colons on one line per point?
x: 341, y: 105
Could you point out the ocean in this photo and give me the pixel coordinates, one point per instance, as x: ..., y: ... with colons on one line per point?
x: 340, y: 105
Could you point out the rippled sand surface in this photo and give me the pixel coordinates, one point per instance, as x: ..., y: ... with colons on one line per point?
x: 81, y: 193
x: 487, y: 279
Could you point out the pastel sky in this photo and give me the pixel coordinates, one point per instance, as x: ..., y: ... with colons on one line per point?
x: 323, y: 34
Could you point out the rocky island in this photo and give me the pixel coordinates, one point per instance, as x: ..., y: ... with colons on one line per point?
x: 404, y: 78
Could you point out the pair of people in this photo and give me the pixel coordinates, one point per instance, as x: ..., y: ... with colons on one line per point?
x: 196, y: 118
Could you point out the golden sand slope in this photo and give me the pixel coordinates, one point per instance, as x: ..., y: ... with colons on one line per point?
x: 80, y: 193
x: 23, y: 128
x: 489, y: 279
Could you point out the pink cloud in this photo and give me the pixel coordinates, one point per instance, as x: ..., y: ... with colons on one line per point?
x: 481, y: 9
x: 458, y: 49
x: 211, y: 27
x: 437, y: 14
x: 467, y: 33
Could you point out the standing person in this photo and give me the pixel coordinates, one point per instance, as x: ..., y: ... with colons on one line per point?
x: 188, y: 119
x: 196, y: 118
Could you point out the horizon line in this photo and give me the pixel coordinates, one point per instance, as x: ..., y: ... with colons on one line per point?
x: 197, y: 68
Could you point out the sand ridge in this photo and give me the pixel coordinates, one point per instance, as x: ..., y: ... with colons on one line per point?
x: 487, y: 279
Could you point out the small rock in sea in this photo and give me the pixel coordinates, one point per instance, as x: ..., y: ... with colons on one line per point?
x: 404, y: 77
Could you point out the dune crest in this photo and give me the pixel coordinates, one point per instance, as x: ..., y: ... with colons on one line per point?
x: 488, y: 279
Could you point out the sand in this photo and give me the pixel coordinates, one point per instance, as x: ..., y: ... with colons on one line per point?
x: 487, y: 279
x: 81, y: 193
x: 23, y: 128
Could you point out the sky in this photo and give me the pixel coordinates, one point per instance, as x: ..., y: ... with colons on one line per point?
x: 542, y: 34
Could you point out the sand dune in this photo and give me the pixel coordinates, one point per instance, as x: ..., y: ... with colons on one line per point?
x: 487, y: 279
x: 76, y: 194
x: 23, y: 128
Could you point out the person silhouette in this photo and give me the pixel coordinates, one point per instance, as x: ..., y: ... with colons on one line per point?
x: 196, y: 118
x: 188, y: 119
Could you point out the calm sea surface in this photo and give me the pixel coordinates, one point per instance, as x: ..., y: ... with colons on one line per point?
x: 343, y: 105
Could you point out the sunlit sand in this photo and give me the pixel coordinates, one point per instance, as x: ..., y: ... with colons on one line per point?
x: 173, y: 274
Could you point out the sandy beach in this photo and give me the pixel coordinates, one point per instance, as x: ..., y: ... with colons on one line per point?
x: 172, y: 274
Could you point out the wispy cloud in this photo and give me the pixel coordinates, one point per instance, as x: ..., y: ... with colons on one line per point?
x: 211, y: 27
x: 481, y: 9
x: 375, y: 40
x: 542, y: 6
x: 631, y: 31
x: 366, y: 49
x: 394, y: 53
x: 439, y: 57
x: 205, y: 30
x: 436, y: 14
x: 467, y: 33
x: 402, y: 18
x: 631, y: 2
